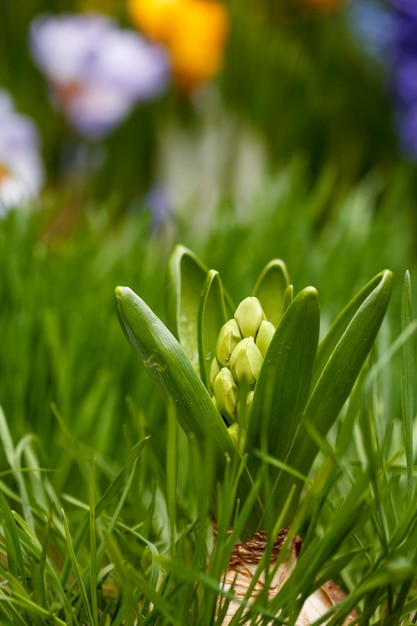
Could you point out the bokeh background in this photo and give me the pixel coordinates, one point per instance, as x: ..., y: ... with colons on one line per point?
x: 250, y: 89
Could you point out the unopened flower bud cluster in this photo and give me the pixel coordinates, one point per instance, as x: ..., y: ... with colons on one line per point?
x: 240, y: 351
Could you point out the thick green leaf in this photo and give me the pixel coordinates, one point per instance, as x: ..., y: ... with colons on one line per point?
x: 270, y: 289
x: 284, y: 382
x: 335, y: 332
x: 185, y: 280
x: 338, y: 374
x: 288, y: 296
x: 213, y: 313
x: 172, y: 373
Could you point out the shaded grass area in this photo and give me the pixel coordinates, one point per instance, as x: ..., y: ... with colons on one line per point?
x: 68, y: 382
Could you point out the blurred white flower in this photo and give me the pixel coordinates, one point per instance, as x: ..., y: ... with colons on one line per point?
x: 21, y: 168
x: 97, y: 72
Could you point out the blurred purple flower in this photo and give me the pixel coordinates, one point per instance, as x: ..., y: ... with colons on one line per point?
x: 404, y: 73
x: 97, y: 72
x: 405, y: 24
x: 372, y: 26
x: 160, y: 205
x: 389, y: 32
x: 408, y: 7
x: 405, y: 81
x: 407, y: 130
x: 21, y: 168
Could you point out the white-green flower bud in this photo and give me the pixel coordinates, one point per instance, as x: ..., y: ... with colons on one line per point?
x: 249, y: 315
x: 234, y: 433
x: 226, y: 394
x: 214, y: 370
x: 246, y: 362
x: 264, y: 337
x: 229, y: 337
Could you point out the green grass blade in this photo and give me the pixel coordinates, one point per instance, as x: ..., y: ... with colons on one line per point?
x: 129, y: 609
x: 270, y: 290
x: 113, y: 491
x: 185, y: 279
x: 93, y: 544
x: 314, y: 556
x: 284, y: 382
x: 23, y: 608
x: 15, y: 464
x: 338, y: 374
x: 14, y: 551
x: 212, y: 315
x: 121, y: 494
x: 79, y: 576
x: 118, y: 484
x: 173, y: 375
x: 36, y: 551
x: 407, y: 382
x: 5, y: 605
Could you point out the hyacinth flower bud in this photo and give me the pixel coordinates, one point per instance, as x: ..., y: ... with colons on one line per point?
x: 229, y: 337
x: 234, y: 432
x: 241, y: 346
x: 214, y: 370
x: 226, y: 394
x: 246, y: 362
x: 249, y: 315
x: 264, y: 337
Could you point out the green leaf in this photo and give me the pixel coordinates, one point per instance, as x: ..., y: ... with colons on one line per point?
x: 339, y: 360
x: 284, y: 382
x: 316, y: 554
x: 78, y: 573
x: 382, y: 282
x: 270, y: 290
x: 117, y: 490
x: 14, y: 551
x: 15, y: 464
x: 288, y: 296
x: 185, y: 280
x: 407, y: 381
x: 213, y: 313
x: 173, y: 375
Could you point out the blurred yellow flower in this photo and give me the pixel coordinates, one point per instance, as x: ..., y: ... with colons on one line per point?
x: 194, y: 31
x: 154, y: 17
x: 4, y: 172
